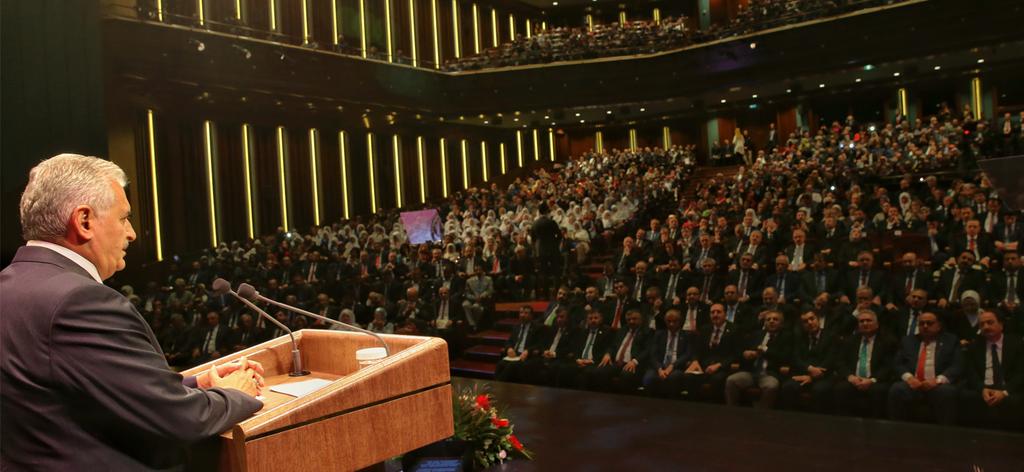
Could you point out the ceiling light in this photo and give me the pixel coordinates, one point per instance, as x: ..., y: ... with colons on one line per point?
x: 487, y: 122
x: 552, y: 124
x: 858, y: 80
x: 789, y: 90
x: 869, y: 67
x: 723, y: 100
x: 980, y: 61
x: 583, y: 121
x: 753, y: 45
x: 577, y: 113
x: 937, y: 67
x: 546, y: 117
x: 821, y: 85
x: 515, y: 119
x: 609, y: 112
x: 554, y: 3
x: 753, y: 96
x: 895, y: 74
x: 643, y: 109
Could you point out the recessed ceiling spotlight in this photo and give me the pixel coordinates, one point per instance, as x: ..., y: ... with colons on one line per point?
x: 753, y: 96
x: 583, y: 121
x: 552, y: 124
x: 487, y: 122
x: 937, y: 67
x: 789, y: 90
x: 554, y: 3
x: 515, y: 119
x: 895, y: 74
x: 577, y: 113
x: 753, y: 45
x: 609, y: 112
x: 642, y: 109
x: 821, y: 85
x: 869, y: 67
x: 723, y: 100
x: 546, y: 117
x: 857, y: 80
x: 981, y: 61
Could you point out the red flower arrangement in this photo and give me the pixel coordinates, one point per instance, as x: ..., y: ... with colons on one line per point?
x: 488, y: 435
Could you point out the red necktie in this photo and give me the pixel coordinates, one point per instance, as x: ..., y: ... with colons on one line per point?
x: 921, y: 358
x: 618, y: 315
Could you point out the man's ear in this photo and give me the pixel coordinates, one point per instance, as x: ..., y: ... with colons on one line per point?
x: 82, y: 223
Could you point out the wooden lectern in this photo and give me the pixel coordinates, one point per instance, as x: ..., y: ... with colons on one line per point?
x: 363, y: 417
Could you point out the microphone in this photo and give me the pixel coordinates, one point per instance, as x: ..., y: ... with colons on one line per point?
x: 221, y: 286
x: 249, y: 292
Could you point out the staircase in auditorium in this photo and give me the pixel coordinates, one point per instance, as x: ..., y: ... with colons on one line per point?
x: 485, y: 348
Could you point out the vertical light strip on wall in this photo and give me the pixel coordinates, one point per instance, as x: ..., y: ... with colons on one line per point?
x: 657, y: 16
x: 201, y: 11
x: 494, y: 28
x: 529, y: 29
x: 543, y: 25
x: 305, y: 21
x: 273, y: 15
x: 281, y: 181
x: 536, y: 145
x: 976, y: 97
x: 456, y: 29
x: 334, y: 22
x: 436, y: 33
x: 422, y: 169
x: 314, y: 170
x: 632, y: 139
x: 666, y: 137
x: 210, y: 195
x: 622, y: 18
x: 343, y: 157
x: 483, y: 160
x: 387, y: 30
x: 512, y: 26
x: 599, y: 141
x: 373, y: 176
x: 159, y: 10
x: 476, y: 30
x: 396, y: 160
x: 247, y: 169
x: 362, y: 28
x: 901, y: 104
x: 464, y: 151
x: 413, y: 40
x: 151, y: 137
x: 444, y: 168
x: 501, y: 151
x: 519, y: 148
x: 590, y: 22
x: 238, y: 10
x: 551, y: 144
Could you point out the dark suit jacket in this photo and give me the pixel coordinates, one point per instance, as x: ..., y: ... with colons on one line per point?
x: 948, y: 359
x: 639, y: 350
x: 922, y: 280
x: 876, y: 280
x: 565, y: 343
x: 778, y: 355
x: 998, y: 289
x: 534, y: 338
x: 791, y: 287
x: 659, y: 346
x: 755, y: 282
x: 972, y: 279
x: 85, y: 383
x: 600, y: 344
x: 983, y: 244
x: 1012, y: 361
x: 822, y: 355
x: 725, y: 352
x: 882, y: 354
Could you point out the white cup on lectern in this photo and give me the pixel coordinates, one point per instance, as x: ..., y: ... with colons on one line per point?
x: 370, y: 356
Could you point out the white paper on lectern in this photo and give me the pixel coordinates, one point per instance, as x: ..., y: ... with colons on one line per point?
x: 302, y: 388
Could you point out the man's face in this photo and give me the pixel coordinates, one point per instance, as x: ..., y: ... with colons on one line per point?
x: 769, y: 296
x: 918, y: 298
x: 562, y: 318
x: 909, y: 261
x: 867, y: 324
x: 1011, y: 261
x: 692, y: 295
x: 864, y: 298
x: 591, y: 293
x: 755, y: 238
x: 773, y: 321
x: 633, y: 320
x: 594, y: 319
x: 973, y: 227
x: 810, y: 322
x: 781, y: 264
x: 212, y: 318
x: 966, y: 260
x: 111, y: 233
x: 731, y: 294
x: 708, y: 266
x: 746, y: 261
x: 928, y: 326
x: 799, y: 237
x: 673, y: 321
x: 866, y: 261
x: 443, y: 293
x: 990, y: 325
x: 641, y: 268
x: 525, y: 315
x: 621, y: 289
x: 717, y: 314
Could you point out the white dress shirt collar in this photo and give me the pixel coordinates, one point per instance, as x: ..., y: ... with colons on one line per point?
x: 74, y: 256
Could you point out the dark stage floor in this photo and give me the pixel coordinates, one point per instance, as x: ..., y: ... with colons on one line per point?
x: 571, y: 430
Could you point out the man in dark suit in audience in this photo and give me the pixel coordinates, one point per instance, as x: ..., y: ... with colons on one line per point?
x: 708, y: 281
x: 991, y: 395
x: 586, y: 351
x: 522, y: 351
x: 910, y: 278
x: 1008, y: 233
x: 765, y: 358
x: 863, y: 275
x: 903, y: 321
x: 975, y: 242
x: 621, y: 368
x: 715, y: 350
x: 556, y: 348
x: 800, y: 253
x: 1007, y: 290
x: 786, y: 282
x: 864, y: 368
x: 694, y: 313
x: 748, y: 282
x: 673, y: 283
x: 956, y: 280
x: 740, y: 316
x: 927, y: 365
x: 812, y: 366
x: 670, y: 354
x: 820, y: 278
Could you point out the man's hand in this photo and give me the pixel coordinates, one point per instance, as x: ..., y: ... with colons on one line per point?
x: 815, y: 372
x: 630, y: 367
x: 549, y: 355
x: 203, y: 380
x: 524, y: 355
x: 607, y: 359
x: 803, y: 379
x: 913, y: 383
x: 928, y: 385
x: 584, y: 362
x: 244, y: 380
x: 993, y: 397
x: 713, y: 368
x: 750, y: 355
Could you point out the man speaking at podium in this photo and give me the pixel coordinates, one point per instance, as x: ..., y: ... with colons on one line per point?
x: 84, y: 383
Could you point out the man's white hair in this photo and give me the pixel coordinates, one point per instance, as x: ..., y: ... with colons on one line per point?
x: 59, y: 184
